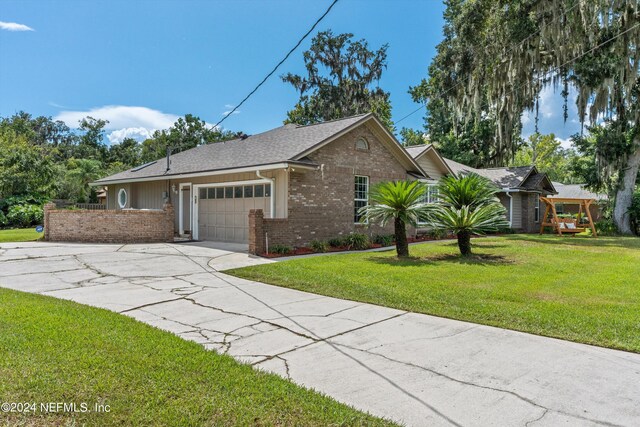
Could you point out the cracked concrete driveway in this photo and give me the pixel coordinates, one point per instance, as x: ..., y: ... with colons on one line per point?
x: 413, y: 368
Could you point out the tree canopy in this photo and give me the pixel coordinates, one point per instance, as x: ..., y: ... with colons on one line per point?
x: 43, y: 157
x: 342, y: 80
x: 497, y: 56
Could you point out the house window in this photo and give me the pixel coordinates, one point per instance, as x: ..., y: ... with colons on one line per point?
x: 430, y: 196
x: 536, y: 209
x: 122, y: 198
x: 362, y: 144
x: 361, y: 196
x: 559, y: 208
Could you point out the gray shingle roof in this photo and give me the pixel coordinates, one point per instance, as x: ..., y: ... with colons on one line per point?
x: 509, y: 177
x: 576, y: 191
x: 282, y: 144
x: 415, y: 150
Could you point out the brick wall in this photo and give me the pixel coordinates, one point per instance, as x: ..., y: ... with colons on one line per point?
x: 321, y: 204
x: 108, y: 226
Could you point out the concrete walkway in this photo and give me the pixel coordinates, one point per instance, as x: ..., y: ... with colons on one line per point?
x: 415, y: 369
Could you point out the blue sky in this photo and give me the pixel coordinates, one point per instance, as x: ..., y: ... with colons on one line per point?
x: 143, y: 63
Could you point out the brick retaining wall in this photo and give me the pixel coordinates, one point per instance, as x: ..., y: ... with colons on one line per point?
x: 108, y: 226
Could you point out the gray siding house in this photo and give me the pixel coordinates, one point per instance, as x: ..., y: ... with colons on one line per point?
x: 520, y: 187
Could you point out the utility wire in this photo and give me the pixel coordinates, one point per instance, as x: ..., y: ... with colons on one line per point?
x: 279, y: 63
x: 444, y: 92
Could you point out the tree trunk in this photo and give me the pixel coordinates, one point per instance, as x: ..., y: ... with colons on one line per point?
x: 464, y: 243
x: 402, y: 246
x: 624, y: 195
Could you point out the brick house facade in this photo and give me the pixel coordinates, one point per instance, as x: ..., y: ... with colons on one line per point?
x: 301, y: 178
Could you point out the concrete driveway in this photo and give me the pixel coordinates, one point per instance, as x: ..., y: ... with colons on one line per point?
x: 415, y: 369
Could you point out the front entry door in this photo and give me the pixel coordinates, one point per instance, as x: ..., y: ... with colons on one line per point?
x: 185, y: 209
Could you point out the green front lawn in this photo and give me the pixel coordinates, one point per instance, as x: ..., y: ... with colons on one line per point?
x: 575, y: 288
x: 59, y: 351
x: 19, y: 235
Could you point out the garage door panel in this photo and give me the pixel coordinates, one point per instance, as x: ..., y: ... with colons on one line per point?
x: 223, y: 212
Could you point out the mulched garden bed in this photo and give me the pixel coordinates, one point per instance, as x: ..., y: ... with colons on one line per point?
x: 307, y: 251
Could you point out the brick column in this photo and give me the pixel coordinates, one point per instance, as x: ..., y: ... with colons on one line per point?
x: 47, y: 208
x: 256, y: 232
x: 169, y: 222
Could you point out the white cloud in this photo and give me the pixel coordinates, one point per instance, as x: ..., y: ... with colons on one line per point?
x: 228, y: 111
x: 546, y: 102
x: 121, y: 116
x: 139, y: 134
x: 124, y: 121
x: 565, y: 142
x: 13, y: 26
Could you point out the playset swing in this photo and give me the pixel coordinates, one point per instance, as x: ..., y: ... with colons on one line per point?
x: 564, y: 226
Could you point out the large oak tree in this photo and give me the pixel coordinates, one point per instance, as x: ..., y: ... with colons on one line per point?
x: 505, y: 52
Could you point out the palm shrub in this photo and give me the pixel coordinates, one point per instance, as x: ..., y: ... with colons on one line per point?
x: 399, y: 201
x: 467, y: 206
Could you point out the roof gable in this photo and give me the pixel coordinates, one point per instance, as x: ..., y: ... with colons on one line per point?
x: 418, y: 152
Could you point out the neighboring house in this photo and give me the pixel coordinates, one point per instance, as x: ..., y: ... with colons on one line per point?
x: 520, y: 187
x: 578, y: 191
x: 309, y: 181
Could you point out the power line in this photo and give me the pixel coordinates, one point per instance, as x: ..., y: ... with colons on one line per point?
x: 441, y: 94
x: 279, y: 63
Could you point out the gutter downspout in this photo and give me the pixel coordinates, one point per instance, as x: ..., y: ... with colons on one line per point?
x: 272, y: 199
x: 508, y: 193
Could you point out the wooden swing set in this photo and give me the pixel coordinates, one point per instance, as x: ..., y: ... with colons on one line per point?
x: 569, y: 226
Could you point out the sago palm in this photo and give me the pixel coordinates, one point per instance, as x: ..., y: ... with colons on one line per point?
x: 467, y: 206
x: 400, y: 201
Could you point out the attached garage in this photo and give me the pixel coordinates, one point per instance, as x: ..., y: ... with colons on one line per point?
x: 223, y: 209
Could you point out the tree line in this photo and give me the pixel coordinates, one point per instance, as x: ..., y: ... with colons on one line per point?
x: 490, y: 67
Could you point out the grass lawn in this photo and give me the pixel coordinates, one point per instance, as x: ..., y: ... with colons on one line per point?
x: 58, y: 351
x: 19, y: 235
x: 575, y: 288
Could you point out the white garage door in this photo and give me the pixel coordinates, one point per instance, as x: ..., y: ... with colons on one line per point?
x: 223, y: 212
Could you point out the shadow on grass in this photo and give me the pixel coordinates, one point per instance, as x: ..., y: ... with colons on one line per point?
x: 473, y: 259
x: 628, y: 242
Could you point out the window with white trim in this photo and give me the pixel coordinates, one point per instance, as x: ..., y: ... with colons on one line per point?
x: 361, y: 196
x: 430, y: 195
x: 536, y: 209
x: 122, y: 198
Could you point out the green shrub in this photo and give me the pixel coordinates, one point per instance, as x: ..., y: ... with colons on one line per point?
x: 337, y: 242
x: 3, y: 220
x: 634, y: 212
x: 437, y: 233
x: 505, y: 230
x: 25, y: 215
x: 319, y: 246
x: 357, y: 241
x: 281, y: 249
x: 606, y: 227
x: 29, y: 199
x: 384, y: 239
